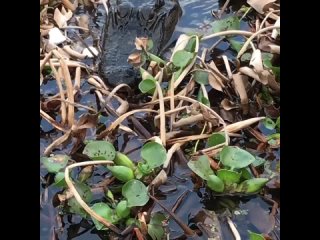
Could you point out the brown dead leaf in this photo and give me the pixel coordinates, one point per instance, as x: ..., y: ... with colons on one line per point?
x: 260, y: 5
x: 256, y: 61
x: 228, y: 105
x: 257, y: 135
x: 214, y: 82
x: 251, y: 73
x: 141, y: 43
x: 135, y: 59
x: 239, y: 85
x: 62, y: 17
x: 207, y: 116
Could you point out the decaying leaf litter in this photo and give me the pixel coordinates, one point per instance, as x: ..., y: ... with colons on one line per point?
x: 185, y: 117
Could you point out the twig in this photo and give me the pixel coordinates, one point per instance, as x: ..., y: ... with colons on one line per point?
x: 170, y: 152
x: 233, y: 229
x: 162, y: 115
x: 229, y: 32
x: 140, y: 127
x: 266, y: 17
x: 188, y: 231
x: 113, y: 92
x: 179, y: 200
x: 119, y: 120
x: 57, y: 142
x: 63, y: 107
x: 51, y: 121
x: 225, y: 5
x: 78, y: 197
x: 246, y: 44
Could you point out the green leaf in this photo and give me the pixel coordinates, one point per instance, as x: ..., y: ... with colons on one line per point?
x: 235, y: 157
x: 182, y: 58
x: 149, y: 44
x: 228, y: 176
x: 203, y: 99
x: 191, y: 45
x: 123, y: 160
x: 55, y: 163
x: 177, y: 73
x: 59, y: 180
x: 122, y: 209
x: 216, y: 139
x: 154, y: 154
x: 155, y: 227
x: 229, y: 23
x: 255, y: 236
x: 144, y: 168
x: 121, y: 173
x: 258, y: 161
x: 132, y: 221
x: 86, y: 195
x: 215, y: 183
x: 103, y: 210
x: 201, y: 167
x: 201, y: 77
x: 252, y: 185
x: 278, y: 123
x: 269, y: 123
x: 235, y: 44
x: 147, y: 86
x: 135, y: 192
x: 246, y: 173
x: 156, y: 59
x: 100, y: 150
x: 110, y: 196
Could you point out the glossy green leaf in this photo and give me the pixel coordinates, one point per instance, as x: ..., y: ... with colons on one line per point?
x: 59, y: 180
x: 201, y: 167
x: 154, y: 154
x: 269, y: 123
x: 255, y: 236
x: 235, y: 44
x: 252, y: 185
x: 123, y: 160
x: 216, y: 139
x: 235, y: 157
x: 121, y: 173
x: 122, y: 209
x: 191, y: 45
x: 156, y: 59
x: 149, y: 44
x: 103, y: 210
x: 55, y: 163
x: 100, y: 150
x: 147, y: 86
x: 155, y: 227
x: 182, y: 58
x: 215, y: 183
x: 246, y: 173
x: 135, y: 192
x: 228, y: 176
x: 229, y: 23
x: 258, y: 161
x: 201, y: 77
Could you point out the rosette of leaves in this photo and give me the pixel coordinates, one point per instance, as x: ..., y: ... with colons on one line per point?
x: 234, y: 176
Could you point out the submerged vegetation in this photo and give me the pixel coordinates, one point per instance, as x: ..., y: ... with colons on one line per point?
x: 214, y: 115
